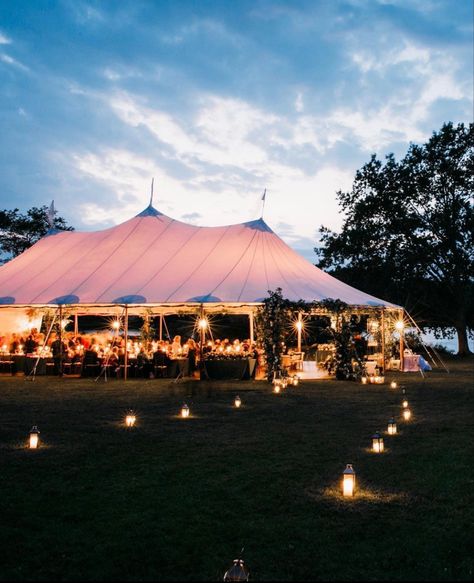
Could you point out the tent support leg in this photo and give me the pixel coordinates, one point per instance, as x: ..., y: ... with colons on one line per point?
x: 125, y: 373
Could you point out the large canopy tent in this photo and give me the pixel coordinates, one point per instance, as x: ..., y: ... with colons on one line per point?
x: 157, y: 264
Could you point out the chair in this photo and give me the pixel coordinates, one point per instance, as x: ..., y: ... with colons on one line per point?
x: 160, y: 364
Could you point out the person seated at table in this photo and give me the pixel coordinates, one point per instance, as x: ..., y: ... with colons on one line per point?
x: 144, y: 366
x: 30, y: 345
x: 15, y: 344
x: 192, y: 350
x: 176, y: 348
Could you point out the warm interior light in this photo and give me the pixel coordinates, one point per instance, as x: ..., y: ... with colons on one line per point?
x: 299, y: 325
x: 348, y: 482
x: 202, y: 323
x: 238, y: 401
x: 116, y: 324
x: 400, y: 325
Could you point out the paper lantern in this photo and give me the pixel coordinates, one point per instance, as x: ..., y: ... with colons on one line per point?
x: 237, y: 401
x: 348, y: 481
x: 392, y: 427
x: 377, y: 443
x: 238, y: 572
x: 184, y: 411
x: 130, y: 419
x: 34, y: 437
x: 393, y: 385
x: 406, y: 414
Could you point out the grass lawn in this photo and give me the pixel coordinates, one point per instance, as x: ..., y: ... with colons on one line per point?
x: 177, y: 499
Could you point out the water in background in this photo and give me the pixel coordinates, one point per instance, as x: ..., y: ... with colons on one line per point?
x: 450, y: 344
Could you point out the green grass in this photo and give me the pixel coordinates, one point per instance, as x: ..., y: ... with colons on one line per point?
x: 177, y: 499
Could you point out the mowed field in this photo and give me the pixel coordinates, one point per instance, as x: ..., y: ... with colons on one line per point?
x: 176, y: 499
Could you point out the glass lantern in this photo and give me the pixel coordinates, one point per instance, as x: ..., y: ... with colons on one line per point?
x: 363, y: 380
x: 130, y: 419
x: 184, y: 411
x: 392, y: 427
x: 237, y: 401
x: 393, y: 385
x: 296, y: 380
x: 406, y: 414
x: 238, y: 572
x: 348, y: 481
x: 34, y: 437
x: 405, y: 404
x: 377, y: 443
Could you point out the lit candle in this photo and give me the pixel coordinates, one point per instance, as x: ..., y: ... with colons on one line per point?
x: 34, y: 437
x: 377, y: 442
x: 348, y: 482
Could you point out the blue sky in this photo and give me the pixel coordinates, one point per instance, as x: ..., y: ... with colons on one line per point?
x: 218, y: 100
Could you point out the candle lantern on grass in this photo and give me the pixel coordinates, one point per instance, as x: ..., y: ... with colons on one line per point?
x: 392, y: 427
x: 184, y: 411
x: 364, y: 380
x: 276, y: 385
x: 348, y: 481
x: 237, y: 401
x: 393, y: 385
x: 377, y: 443
x: 34, y: 437
x: 379, y: 380
x: 238, y: 572
x: 130, y: 419
x: 406, y: 414
x: 296, y: 380
x: 405, y: 404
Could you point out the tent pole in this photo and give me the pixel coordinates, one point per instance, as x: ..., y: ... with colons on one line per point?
x: 60, y: 372
x: 76, y: 325
x: 201, y: 344
x: 125, y: 374
x: 299, y: 329
x: 161, y: 327
x: 383, y: 341
x: 402, y: 333
x: 251, y: 324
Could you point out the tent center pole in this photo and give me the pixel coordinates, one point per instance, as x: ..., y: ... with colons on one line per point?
x: 252, y: 332
x: 125, y: 370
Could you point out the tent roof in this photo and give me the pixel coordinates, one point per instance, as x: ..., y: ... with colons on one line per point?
x: 154, y: 259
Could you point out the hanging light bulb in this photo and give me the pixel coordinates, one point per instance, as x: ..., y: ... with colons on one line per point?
x: 348, y: 481
x: 34, y: 437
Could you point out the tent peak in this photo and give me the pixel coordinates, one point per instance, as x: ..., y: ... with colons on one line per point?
x: 150, y: 211
x: 258, y: 225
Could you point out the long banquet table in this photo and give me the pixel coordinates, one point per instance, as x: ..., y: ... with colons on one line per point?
x: 238, y: 369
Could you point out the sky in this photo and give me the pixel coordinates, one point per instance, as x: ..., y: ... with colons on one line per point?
x: 219, y: 100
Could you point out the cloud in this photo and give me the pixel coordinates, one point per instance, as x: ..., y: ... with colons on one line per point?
x: 4, y: 40
x: 13, y: 62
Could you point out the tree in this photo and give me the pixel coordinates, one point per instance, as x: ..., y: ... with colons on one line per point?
x: 408, y: 231
x: 20, y: 231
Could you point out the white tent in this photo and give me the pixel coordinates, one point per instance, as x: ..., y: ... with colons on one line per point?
x: 154, y: 260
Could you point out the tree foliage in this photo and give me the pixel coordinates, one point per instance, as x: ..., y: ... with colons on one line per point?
x: 19, y: 231
x: 408, y: 231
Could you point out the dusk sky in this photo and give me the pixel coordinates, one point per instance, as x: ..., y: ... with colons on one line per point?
x: 218, y: 100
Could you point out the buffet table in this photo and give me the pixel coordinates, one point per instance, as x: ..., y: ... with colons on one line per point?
x: 230, y: 369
